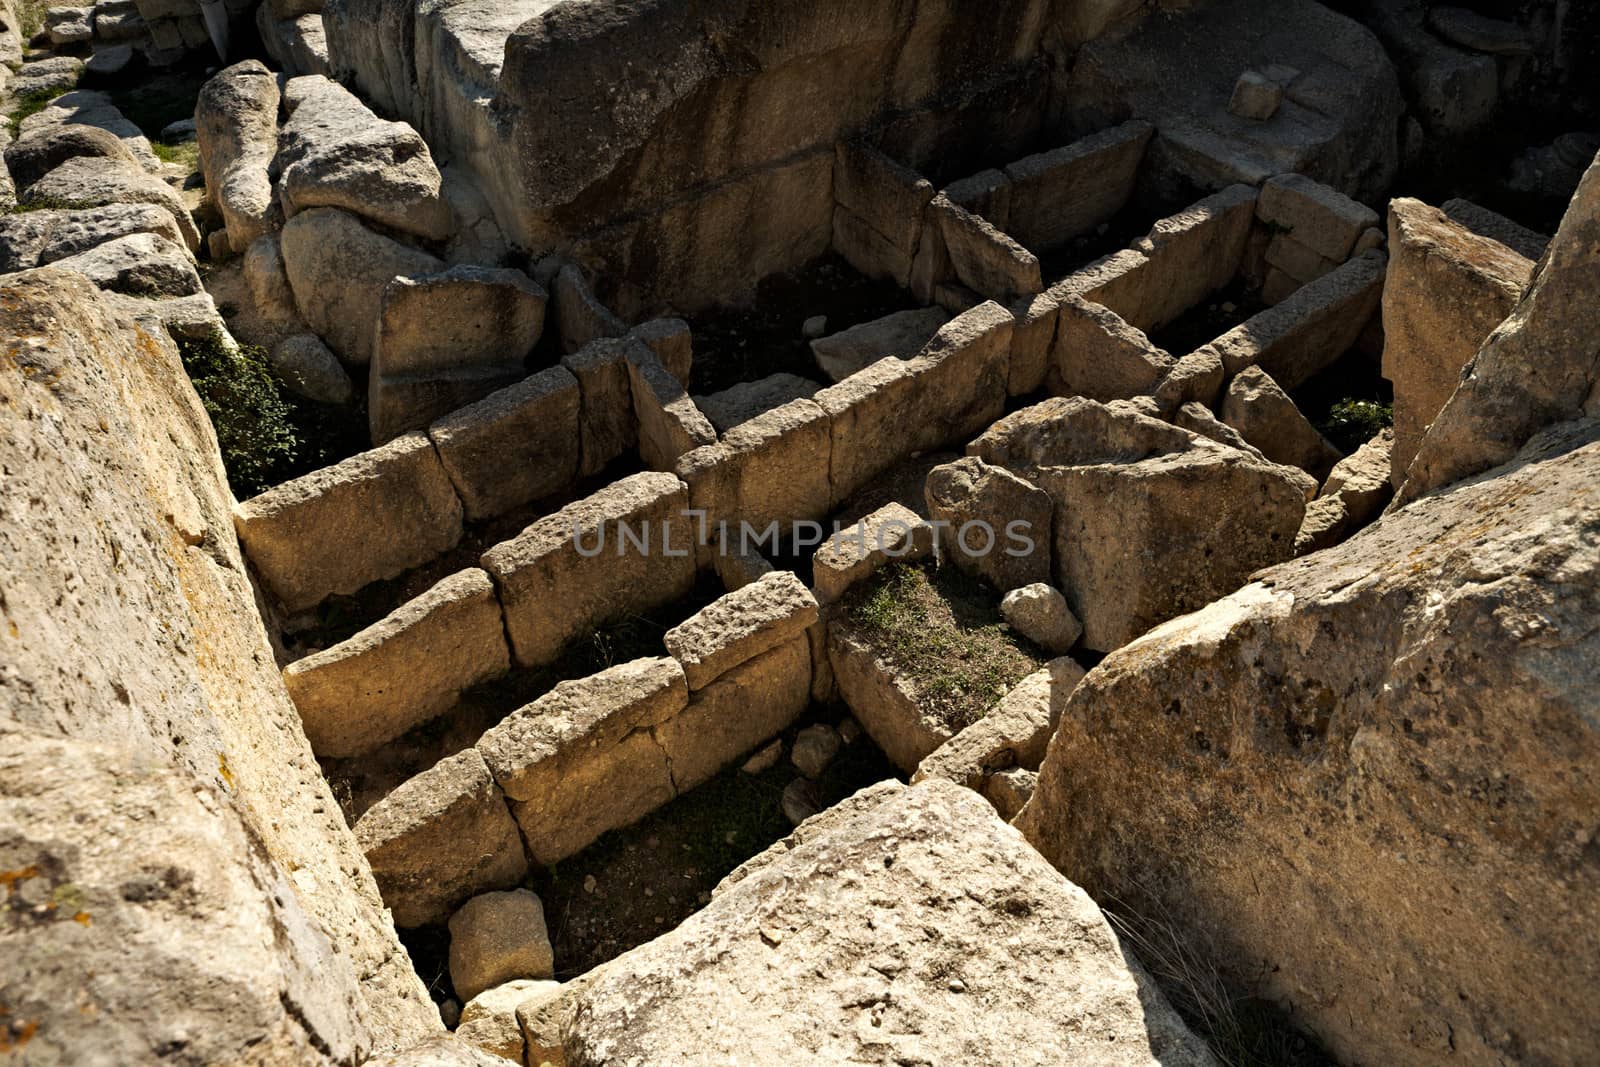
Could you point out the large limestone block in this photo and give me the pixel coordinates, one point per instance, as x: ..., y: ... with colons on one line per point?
x: 998, y: 525
x: 1386, y: 750
x: 1361, y: 481
x: 1312, y: 328
x: 514, y: 446
x: 153, y: 642
x: 584, y: 758
x: 580, y: 316
x: 1069, y: 431
x: 1100, y: 356
x: 629, y: 547
x: 740, y: 626
x: 1321, y: 219
x: 892, y: 533
x: 1446, y: 291
x: 1261, y: 411
x: 743, y: 401
x: 489, y: 1020
x: 881, y: 205
x: 496, y: 938
x: 440, y: 838
x: 236, y: 127
x: 772, y: 469
x: 140, y: 912
x: 883, y: 700
x: 371, y: 517
x: 94, y: 181
x: 867, y: 414
x: 670, y: 423
x: 737, y: 713
x: 334, y: 152
x: 1014, y: 733
x: 926, y: 876
x: 1068, y: 191
x: 986, y: 260
x: 1192, y: 254
x: 1537, y: 368
x: 140, y: 264
x: 402, y: 670
x: 1120, y: 281
x: 38, y: 238
x: 607, y: 425
x: 339, y: 270
x: 43, y: 149
x: 902, y: 334
x: 959, y: 378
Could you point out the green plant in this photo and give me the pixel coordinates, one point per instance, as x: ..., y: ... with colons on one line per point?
x: 26, y: 105
x: 31, y: 14
x: 252, y: 420
x: 1352, y: 423
x: 186, y: 155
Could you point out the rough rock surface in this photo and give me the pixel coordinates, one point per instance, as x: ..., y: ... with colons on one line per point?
x: 1384, y: 751
x: 140, y: 264
x: 236, y: 127
x: 93, y: 181
x: 132, y: 623
x: 1539, y: 367
x: 1040, y: 613
x: 38, y: 152
x: 906, y: 925
x: 497, y: 937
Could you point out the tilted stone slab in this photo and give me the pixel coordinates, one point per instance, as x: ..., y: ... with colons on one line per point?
x: 771, y: 469
x: 999, y: 524
x: 672, y: 342
x: 868, y: 414
x: 985, y: 259
x: 514, y: 446
x: 1060, y: 194
x: 580, y: 317
x: 581, y: 760
x: 670, y: 424
x: 893, y: 533
x: 740, y: 626
x: 607, y: 424
x: 440, y: 838
x: 627, y: 548
x: 371, y: 517
x: 743, y: 401
x: 1101, y: 356
x: 402, y: 670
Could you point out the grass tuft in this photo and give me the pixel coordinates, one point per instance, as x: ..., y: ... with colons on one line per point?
x: 26, y: 106
x: 1352, y: 423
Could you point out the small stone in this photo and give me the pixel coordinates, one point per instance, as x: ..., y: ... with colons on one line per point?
x: 1255, y: 96
x: 764, y: 760
x: 497, y: 937
x: 450, y: 1013
x: 957, y: 986
x: 310, y: 368
x: 815, y: 748
x: 849, y: 731
x: 801, y: 800
x: 589, y: 883
x: 1039, y: 612
x: 814, y: 327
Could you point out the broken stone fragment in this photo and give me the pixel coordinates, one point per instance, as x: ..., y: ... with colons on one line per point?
x: 741, y: 625
x: 309, y: 368
x: 1039, y: 613
x: 495, y: 938
x: 814, y: 749
x: 1255, y: 96
x: 901, y: 334
x: 489, y: 1020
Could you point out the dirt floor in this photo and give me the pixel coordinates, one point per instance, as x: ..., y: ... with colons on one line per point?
x: 1208, y: 320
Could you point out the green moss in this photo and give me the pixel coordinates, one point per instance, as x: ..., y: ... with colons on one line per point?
x: 26, y: 105
x: 1352, y: 423
x: 186, y: 155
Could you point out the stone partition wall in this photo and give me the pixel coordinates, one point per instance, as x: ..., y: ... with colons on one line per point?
x: 526, y: 94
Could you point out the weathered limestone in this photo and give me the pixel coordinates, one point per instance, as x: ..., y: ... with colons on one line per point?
x: 740, y: 403
x: 878, y: 212
x: 893, y: 532
x: 264, y: 273
x: 140, y: 264
x: 445, y: 340
x: 90, y: 181
x: 740, y: 626
x: 1266, y: 417
x: 902, y: 334
x: 1446, y: 291
x: 309, y: 367
x: 772, y: 469
x: 440, y: 838
x: 583, y: 758
x: 334, y: 152
x: 1439, y: 666
x: 670, y: 424
x: 737, y: 713
x: 1191, y: 255
x: 993, y: 516
x: 1310, y: 329
x: 496, y: 938
x: 1255, y: 97
x: 338, y: 270
x: 883, y: 700
x: 1013, y: 733
x: 1321, y: 220
x: 402, y: 670
x: 1196, y: 378
x: 1356, y: 491
x: 607, y: 426
x: 371, y: 517
x: 820, y: 896
x: 515, y: 446
x: 38, y: 238
x: 1100, y: 356
x: 672, y: 342
x: 628, y: 547
x: 1039, y: 613
x: 867, y: 416
x: 489, y: 1020
x: 1200, y: 419
x: 580, y: 316
x: 236, y: 126
x: 1058, y: 195
x: 40, y: 151
x: 1485, y: 223
x: 983, y: 257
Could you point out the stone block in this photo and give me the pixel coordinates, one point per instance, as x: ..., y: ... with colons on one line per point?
x: 885, y: 704
x: 627, y: 548
x: 669, y: 422
x: 1014, y: 733
x: 1066, y: 192
x: 740, y: 403
x: 1100, y: 356
x: 672, y: 342
x: 888, y: 199
x: 959, y: 379
x: 1255, y: 97
x: 1119, y: 281
x: 1193, y: 254
x: 373, y: 516
x: 902, y: 334
x: 440, y: 838
x: 983, y: 257
x: 580, y: 316
x: 607, y: 426
x: 1322, y: 219
x: 893, y: 533
x: 986, y: 194
x: 1032, y: 342
x: 515, y: 446
x: 498, y: 937
x: 403, y: 670
x: 737, y: 713
x: 583, y: 758
x: 868, y: 414
x: 1006, y: 513
x: 771, y: 469
x: 1266, y: 417
x: 740, y: 626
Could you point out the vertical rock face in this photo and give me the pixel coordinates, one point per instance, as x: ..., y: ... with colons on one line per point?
x: 129, y: 622
x: 1367, y: 782
x: 1539, y: 367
